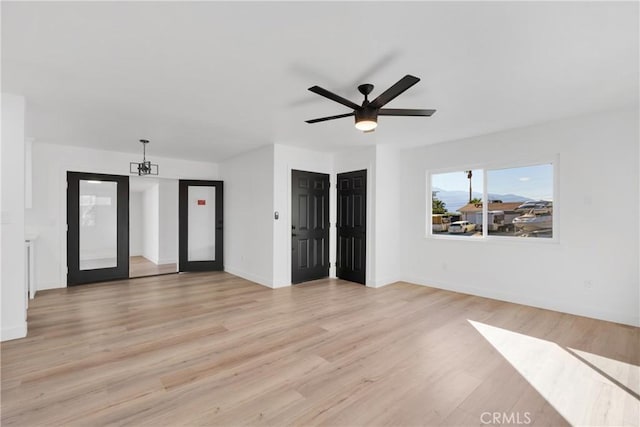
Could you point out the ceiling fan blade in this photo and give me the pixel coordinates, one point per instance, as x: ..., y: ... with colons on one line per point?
x: 324, y: 119
x: 332, y: 96
x: 405, y: 112
x: 403, y: 84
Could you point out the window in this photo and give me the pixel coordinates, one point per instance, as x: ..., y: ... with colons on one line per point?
x: 88, y: 205
x: 523, y: 198
x: 456, y: 203
x: 520, y: 202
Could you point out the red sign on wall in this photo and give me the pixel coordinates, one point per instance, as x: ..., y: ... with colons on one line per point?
x: 201, y: 202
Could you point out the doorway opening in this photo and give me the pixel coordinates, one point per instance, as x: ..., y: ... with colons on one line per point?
x: 121, y: 227
x: 153, y: 226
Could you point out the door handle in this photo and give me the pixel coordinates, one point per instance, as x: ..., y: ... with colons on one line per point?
x: 294, y: 235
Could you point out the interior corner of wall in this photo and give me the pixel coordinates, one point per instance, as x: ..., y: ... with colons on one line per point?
x: 257, y: 279
x: 43, y: 286
x: 280, y: 284
x: 378, y: 283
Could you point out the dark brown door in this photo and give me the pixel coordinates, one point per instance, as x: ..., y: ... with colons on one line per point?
x: 309, y: 226
x: 352, y: 226
x: 200, y: 224
x: 97, y: 227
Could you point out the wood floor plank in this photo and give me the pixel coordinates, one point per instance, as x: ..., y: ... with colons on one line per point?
x: 215, y: 349
x: 140, y: 266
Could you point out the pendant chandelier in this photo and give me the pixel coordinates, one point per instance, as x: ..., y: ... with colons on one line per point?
x: 145, y: 167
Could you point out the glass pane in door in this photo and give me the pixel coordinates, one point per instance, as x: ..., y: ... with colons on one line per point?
x: 202, y: 223
x: 98, y: 224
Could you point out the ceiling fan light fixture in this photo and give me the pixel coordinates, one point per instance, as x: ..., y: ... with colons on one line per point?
x: 366, y: 115
x: 366, y: 119
x: 366, y: 125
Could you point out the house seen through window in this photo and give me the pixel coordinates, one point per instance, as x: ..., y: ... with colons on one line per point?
x: 519, y: 202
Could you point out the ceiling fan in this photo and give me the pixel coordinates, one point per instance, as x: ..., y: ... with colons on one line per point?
x: 367, y: 114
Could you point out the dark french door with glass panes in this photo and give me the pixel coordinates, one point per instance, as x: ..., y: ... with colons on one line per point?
x: 200, y: 217
x: 97, y: 227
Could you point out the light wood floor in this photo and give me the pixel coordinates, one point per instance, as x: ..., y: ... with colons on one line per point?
x: 139, y: 266
x: 210, y: 348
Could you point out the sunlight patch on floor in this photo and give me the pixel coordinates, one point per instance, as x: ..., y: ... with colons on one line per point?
x: 624, y: 373
x: 582, y: 395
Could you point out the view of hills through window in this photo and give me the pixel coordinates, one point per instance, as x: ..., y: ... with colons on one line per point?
x: 520, y: 202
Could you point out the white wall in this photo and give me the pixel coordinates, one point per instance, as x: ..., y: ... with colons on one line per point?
x: 12, y: 255
x: 151, y: 223
x: 135, y: 223
x: 168, y: 221
x: 387, y: 216
x: 592, y: 270
x: 286, y: 159
x: 48, y: 215
x: 248, y: 215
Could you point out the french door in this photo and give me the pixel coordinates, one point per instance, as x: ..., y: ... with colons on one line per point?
x: 97, y: 227
x: 200, y: 218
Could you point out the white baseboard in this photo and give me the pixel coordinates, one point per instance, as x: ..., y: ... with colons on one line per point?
x: 153, y: 260
x: 383, y: 282
x: 167, y: 261
x: 592, y: 312
x: 13, y: 332
x: 250, y: 276
x: 281, y: 285
x: 49, y: 285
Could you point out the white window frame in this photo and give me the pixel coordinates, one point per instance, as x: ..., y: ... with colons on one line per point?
x: 486, y: 167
